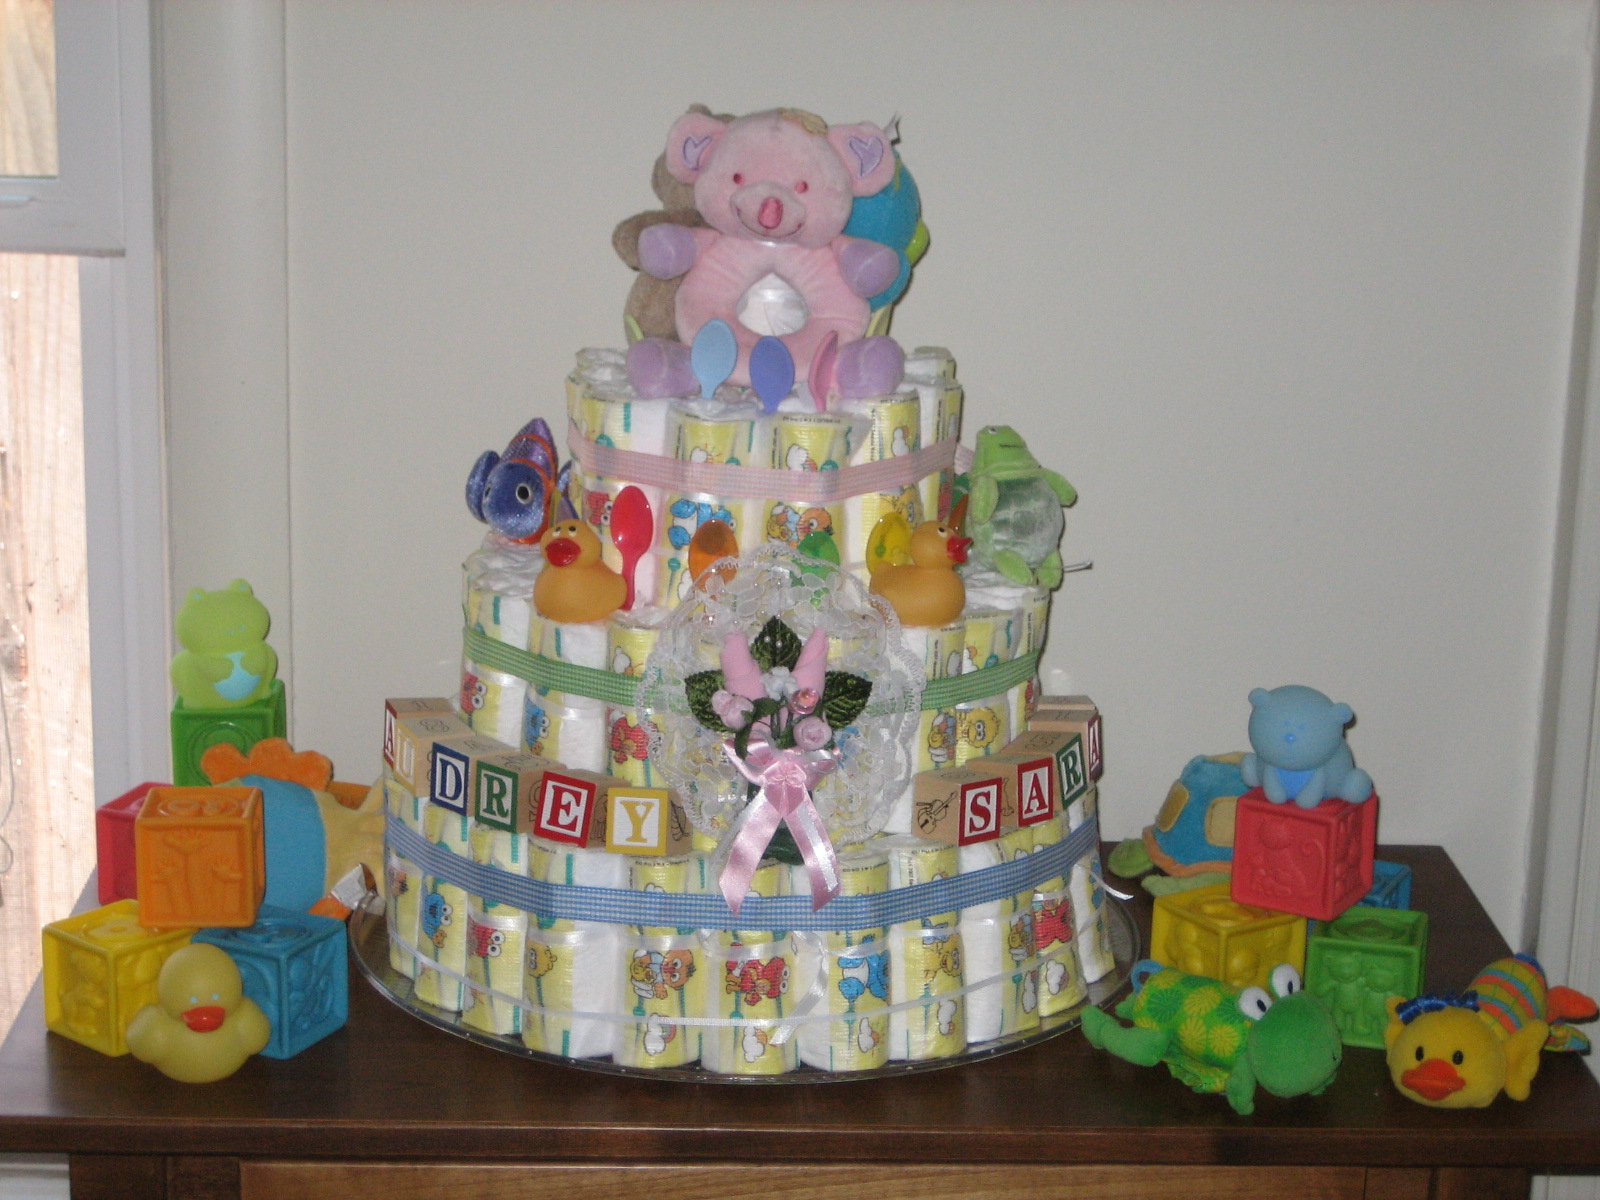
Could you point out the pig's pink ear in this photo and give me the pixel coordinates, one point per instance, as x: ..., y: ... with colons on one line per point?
x: 689, y: 144
x: 866, y: 154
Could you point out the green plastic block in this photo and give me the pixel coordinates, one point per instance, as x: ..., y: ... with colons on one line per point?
x: 196, y: 730
x: 1358, y: 961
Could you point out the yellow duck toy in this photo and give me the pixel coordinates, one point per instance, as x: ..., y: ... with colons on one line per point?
x: 917, y: 575
x: 575, y: 586
x: 204, y: 1027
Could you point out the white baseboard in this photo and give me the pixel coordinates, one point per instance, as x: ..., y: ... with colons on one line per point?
x: 33, y: 1177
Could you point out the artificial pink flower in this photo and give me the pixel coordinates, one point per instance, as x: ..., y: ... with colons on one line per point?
x: 812, y: 733
x: 741, y: 674
x: 811, y: 670
x: 733, y: 710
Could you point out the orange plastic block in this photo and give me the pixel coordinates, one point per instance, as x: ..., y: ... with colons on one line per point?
x: 1205, y: 931
x: 202, y: 857
x: 100, y: 968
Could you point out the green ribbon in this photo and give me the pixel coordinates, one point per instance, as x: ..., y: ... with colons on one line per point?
x: 551, y: 674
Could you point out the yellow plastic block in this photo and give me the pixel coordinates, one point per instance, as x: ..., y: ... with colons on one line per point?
x: 201, y: 857
x: 1205, y: 931
x: 100, y: 968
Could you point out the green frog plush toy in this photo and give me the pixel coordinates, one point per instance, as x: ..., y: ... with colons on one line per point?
x: 225, y: 661
x: 1014, y: 513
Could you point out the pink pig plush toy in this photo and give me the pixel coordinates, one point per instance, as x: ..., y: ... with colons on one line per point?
x: 775, y: 189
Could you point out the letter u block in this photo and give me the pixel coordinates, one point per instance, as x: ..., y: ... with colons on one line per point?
x: 116, y: 876
x: 1315, y: 862
x: 294, y: 966
x: 196, y: 730
x: 1205, y: 931
x: 1358, y: 961
x: 202, y: 857
x: 100, y: 968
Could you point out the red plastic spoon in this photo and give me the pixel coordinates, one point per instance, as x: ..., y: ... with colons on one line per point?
x: 633, y: 532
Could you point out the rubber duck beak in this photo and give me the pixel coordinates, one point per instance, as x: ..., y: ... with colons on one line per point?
x: 561, y: 552
x: 205, y: 1018
x: 957, y: 549
x: 1434, y: 1079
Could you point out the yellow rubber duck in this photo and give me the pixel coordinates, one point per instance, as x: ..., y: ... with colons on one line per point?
x: 203, y: 1027
x: 575, y: 586
x: 924, y: 589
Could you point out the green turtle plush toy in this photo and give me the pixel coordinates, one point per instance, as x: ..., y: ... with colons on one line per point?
x: 1219, y: 1039
x: 1014, y: 513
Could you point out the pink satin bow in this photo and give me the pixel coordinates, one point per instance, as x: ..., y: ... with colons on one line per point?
x: 785, y: 779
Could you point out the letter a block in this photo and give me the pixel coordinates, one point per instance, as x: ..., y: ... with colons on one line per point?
x: 647, y: 821
x: 100, y: 968
x: 1204, y: 931
x: 202, y: 857
x: 294, y: 966
x: 1315, y: 862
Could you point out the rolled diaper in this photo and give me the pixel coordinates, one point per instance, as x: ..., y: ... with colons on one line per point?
x: 757, y: 981
x: 663, y: 973
x: 630, y: 637
x: 854, y: 970
x: 492, y: 702
x: 444, y: 917
x: 722, y: 431
x: 940, y: 652
x: 571, y: 966
x: 1087, y: 890
x: 403, y: 911
x: 882, y: 428
x: 925, y: 957
x: 804, y: 442
x: 998, y: 943
x: 1061, y: 985
x: 931, y: 373
x: 564, y: 726
x: 496, y: 939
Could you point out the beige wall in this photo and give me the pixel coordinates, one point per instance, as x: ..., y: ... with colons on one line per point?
x: 1286, y: 290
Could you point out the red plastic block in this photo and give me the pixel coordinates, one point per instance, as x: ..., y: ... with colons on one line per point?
x: 113, y: 845
x: 202, y: 857
x: 1313, y: 862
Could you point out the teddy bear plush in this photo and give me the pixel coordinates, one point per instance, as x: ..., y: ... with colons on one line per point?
x: 775, y: 190
x: 1297, y: 735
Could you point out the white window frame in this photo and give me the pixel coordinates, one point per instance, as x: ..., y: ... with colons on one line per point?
x: 101, y: 207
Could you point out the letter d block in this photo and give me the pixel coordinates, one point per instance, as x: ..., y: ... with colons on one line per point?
x: 647, y: 821
x: 958, y: 806
x: 100, y: 969
x: 295, y: 967
x: 202, y: 857
x: 1204, y: 931
x: 454, y: 767
x: 1315, y: 862
x: 196, y: 730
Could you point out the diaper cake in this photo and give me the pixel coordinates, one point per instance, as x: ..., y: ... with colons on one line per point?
x: 749, y: 773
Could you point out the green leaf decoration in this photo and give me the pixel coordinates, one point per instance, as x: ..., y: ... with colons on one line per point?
x: 843, y: 698
x: 775, y: 646
x: 700, y: 687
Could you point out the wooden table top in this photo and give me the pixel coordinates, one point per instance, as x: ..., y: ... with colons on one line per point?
x: 389, y: 1086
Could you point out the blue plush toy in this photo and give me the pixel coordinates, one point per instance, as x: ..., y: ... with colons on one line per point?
x: 1300, y: 751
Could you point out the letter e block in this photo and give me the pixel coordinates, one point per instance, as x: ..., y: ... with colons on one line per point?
x: 647, y: 821
x: 564, y: 808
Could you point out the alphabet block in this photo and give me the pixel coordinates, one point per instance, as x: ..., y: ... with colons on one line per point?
x: 567, y: 807
x: 959, y: 805
x: 501, y: 787
x: 196, y: 730
x: 647, y: 821
x: 1043, y: 771
x: 395, y: 709
x: 453, y: 764
x: 116, y: 876
x: 100, y: 968
x: 1073, y: 714
x: 1358, y: 961
x: 413, y: 746
x: 294, y: 966
x: 1205, y: 931
x: 201, y: 857
x: 1315, y: 862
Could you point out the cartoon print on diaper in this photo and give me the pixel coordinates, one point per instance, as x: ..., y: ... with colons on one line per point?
x: 651, y: 972
x: 979, y: 728
x: 541, y: 960
x: 473, y: 692
x: 754, y: 980
x: 947, y: 961
x: 485, y: 940
x: 860, y: 974
x: 687, y: 517
x: 942, y: 737
x: 436, y: 915
x: 629, y: 740
x: 535, y: 725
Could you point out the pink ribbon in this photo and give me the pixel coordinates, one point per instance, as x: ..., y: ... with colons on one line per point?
x: 785, y: 779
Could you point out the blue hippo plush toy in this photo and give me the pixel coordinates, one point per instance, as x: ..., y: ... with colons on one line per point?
x: 1300, y: 752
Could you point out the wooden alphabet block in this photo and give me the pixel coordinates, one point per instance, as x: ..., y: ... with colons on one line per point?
x: 413, y: 746
x: 648, y: 821
x: 453, y: 761
x: 568, y: 807
x: 959, y: 805
x: 501, y: 787
x: 395, y: 709
x: 1073, y: 714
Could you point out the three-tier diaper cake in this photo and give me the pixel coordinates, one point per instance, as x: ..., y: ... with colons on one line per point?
x: 749, y: 773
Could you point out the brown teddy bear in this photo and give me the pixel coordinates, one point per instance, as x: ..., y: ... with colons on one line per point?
x: 650, y: 311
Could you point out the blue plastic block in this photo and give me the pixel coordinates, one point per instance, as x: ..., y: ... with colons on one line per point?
x: 296, y: 968
x: 1391, y: 886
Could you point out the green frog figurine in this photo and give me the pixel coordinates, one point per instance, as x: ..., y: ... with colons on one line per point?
x: 225, y: 661
x: 1014, y: 513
